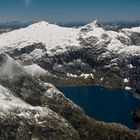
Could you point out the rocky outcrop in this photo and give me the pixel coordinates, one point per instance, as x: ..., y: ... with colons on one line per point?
x: 32, y: 109
x: 136, y: 117
x: 34, y: 123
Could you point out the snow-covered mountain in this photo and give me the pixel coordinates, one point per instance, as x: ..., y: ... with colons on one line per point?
x: 31, y: 58
x: 56, y: 38
x: 52, y: 36
x: 67, y: 53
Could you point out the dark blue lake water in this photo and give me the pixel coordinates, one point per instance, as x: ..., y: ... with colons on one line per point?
x: 110, y: 105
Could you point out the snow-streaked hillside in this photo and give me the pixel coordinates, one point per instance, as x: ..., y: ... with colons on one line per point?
x: 8, y: 101
x: 34, y: 58
x: 33, y: 109
x: 50, y: 50
x: 52, y: 36
x: 36, y: 70
x: 58, y: 39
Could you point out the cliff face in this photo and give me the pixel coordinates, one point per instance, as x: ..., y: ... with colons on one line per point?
x: 33, y: 109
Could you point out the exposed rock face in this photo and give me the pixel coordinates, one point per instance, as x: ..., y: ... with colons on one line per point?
x: 35, y: 123
x: 23, y: 113
x: 68, y: 54
x: 136, y: 117
x: 32, y: 109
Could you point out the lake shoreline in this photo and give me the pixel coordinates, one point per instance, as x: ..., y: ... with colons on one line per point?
x: 73, y: 91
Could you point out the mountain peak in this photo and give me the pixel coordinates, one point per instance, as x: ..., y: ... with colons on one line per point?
x: 95, y: 24
x: 91, y: 26
x: 41, y: 23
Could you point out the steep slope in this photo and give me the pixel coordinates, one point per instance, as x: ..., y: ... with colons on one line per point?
x: 52, y: 36
x: 19, y: 120
x: 31, y: 109
x: 57, y: 38
x: 109, y: 56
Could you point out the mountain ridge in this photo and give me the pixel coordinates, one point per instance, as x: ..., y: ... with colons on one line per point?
x: 44, y: 54
x: 33, y: 109
x: 65, y: 52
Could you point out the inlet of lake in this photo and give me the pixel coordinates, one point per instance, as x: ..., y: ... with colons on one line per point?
x: 109, y: 105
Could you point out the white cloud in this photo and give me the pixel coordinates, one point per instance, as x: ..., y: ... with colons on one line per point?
x: 27, y: 2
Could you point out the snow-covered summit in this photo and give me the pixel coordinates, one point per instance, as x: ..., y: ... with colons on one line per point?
x: 41, y: 23
x: 50, y: 35
x: 94, y: 24
x: 58, y: 39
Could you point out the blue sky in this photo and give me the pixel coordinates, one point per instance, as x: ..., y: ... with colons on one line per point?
x: 69, y: 10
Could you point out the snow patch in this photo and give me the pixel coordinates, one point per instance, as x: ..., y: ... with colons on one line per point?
x: 71, y: 75
x: 128, y: 88
x: 126, y: 80
x: 85, y: 76
x: 130, y: 66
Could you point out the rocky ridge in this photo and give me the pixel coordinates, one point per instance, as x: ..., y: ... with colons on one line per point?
x: 79, y: 56
x: 32, y: 109
x: 34, y: 57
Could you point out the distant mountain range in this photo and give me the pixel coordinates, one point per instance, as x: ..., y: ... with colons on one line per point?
x: 110, y: 25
